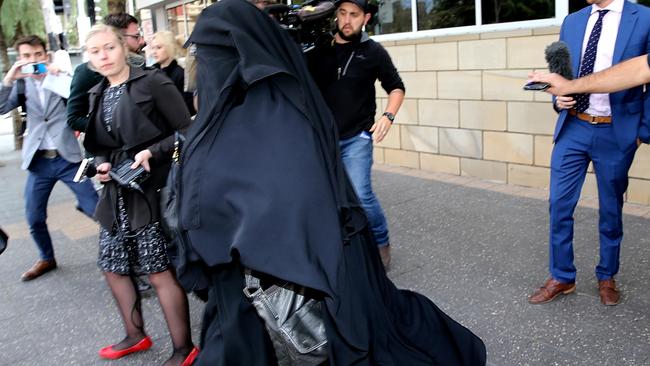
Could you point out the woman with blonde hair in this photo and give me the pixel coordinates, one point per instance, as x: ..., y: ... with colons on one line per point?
x: 134, y: 114
x: 165, y: 50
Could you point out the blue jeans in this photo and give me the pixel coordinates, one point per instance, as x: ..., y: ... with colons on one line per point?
x: 577, y: 145
x: 43, y: 174
x: 356, y: 153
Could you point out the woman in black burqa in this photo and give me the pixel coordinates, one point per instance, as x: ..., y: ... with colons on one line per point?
x: 263, y: 187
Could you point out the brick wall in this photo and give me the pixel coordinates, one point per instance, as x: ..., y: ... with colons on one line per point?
x: 465, y: 112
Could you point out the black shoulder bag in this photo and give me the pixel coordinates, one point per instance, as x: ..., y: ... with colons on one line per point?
x: 188, y: 264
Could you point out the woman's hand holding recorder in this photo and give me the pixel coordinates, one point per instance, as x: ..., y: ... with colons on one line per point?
x: 102, y: 172
x: 142, y: 158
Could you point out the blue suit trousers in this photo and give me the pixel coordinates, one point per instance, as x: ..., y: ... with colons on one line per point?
x: 578, y: 144
x: 43, y: 175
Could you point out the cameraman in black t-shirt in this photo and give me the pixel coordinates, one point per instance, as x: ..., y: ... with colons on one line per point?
x: 345, y: 71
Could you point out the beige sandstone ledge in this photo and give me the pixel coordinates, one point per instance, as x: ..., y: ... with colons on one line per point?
x: 534, y: 193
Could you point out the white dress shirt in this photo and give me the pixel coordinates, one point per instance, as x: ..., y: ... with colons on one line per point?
x: 599, y: 103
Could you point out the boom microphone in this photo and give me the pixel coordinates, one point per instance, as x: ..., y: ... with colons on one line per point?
x: 559, y: 59
x: 559, y: 62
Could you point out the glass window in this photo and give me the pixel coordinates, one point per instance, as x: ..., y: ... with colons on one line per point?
x: 502, y: 11
x: 434, y: 14
x: 178, y: 21
x: 394, y: 16
x: 175, y: 20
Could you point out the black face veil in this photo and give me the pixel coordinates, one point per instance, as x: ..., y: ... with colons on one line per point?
x: 263, y: 183
x: 261, y: 170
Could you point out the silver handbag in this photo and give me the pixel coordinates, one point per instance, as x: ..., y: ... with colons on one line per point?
x: 294, y: 322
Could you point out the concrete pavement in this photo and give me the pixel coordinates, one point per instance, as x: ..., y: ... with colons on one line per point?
x: 476, y: 248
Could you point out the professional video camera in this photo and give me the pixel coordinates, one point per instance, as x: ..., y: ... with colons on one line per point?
x: 122, y: 174
x: 308, y: 24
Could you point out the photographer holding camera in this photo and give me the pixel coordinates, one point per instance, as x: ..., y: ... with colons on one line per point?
x: 134, y: 114
x: 50, y: 151
x: 345, y: 71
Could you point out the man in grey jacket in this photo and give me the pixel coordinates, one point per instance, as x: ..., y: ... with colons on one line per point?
x: 50, y: 150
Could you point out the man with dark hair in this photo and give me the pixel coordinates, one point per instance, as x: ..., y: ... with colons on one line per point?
x: 31, y: 40
x: 345, y: 71
x: 50, y: 151
x: 84, y: 78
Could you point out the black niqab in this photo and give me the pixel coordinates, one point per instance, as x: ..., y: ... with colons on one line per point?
x: 263, y: 183
x: 264, y: 144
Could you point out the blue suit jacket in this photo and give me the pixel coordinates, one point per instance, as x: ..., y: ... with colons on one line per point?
x: 631, y: 107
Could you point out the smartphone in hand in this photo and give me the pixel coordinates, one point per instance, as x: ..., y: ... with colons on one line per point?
x: 535, y: 86
x: 34, y: 68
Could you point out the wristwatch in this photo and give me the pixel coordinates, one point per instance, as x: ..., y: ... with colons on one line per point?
x: 390, y: 116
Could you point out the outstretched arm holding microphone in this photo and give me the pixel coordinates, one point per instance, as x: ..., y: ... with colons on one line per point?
x: 558, y: 58
x: 628, y: 74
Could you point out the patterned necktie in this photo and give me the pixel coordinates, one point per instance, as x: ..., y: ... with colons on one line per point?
x: 589, y: 59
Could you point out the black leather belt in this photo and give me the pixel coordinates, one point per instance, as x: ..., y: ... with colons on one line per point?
x: 47, y: 154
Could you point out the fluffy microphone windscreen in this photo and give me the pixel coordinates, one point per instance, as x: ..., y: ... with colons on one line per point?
x: 559, y: 59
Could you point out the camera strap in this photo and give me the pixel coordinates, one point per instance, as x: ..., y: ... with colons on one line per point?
x: 22, y: 102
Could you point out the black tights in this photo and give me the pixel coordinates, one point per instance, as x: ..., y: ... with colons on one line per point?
x: 173, y: 302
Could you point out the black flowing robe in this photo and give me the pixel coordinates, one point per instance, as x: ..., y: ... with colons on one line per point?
x: 263, y: 183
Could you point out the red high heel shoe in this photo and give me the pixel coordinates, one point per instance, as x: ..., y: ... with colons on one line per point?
x: 189, y: 360
x: 112, y: 354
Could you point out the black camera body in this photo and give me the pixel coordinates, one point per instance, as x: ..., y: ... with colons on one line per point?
x: 122, y: 174
x: 308, y: 24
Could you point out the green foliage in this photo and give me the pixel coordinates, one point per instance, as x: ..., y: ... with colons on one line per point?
x: 644, y: 2
x: 21, y: 17
x: 400, y: 18
x: 71, y: 30
x: 115, y: 6
x: 103, y: 4
x: 501, y: 11
x: 445, y: 14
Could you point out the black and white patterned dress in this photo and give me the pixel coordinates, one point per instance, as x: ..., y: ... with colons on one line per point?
x: 122, y: 250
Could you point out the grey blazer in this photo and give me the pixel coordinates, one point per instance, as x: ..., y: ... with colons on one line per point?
x: 50, y: 117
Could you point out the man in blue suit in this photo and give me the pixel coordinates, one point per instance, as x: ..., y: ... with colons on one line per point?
x: 604, y: 129
x: 51, y: 152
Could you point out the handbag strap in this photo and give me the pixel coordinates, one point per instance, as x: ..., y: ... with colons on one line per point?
x: 179, y: 139
x: 252, y: 287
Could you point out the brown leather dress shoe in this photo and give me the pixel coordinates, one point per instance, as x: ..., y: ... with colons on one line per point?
x: 609, y: 295
x: 38, y: 269
x: 552, y: 288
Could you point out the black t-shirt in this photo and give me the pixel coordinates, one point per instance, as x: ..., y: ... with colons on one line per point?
x: 346, y: 75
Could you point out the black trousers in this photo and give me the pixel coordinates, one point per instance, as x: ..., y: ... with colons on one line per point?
x: 232, y: 333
